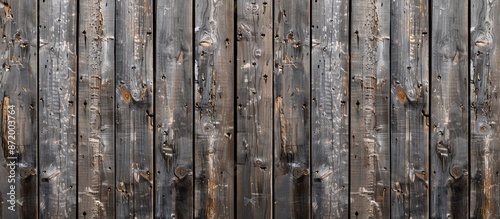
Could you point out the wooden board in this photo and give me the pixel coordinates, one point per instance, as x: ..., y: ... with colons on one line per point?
x: 174, y: 109
x: 449, y: 111
x: 330, y: 109
x: 292, y: 103
x: 249, y: 108
x: 134, y: 108
x: 370, y: 92
x: 484, y: 109
x: 57, y: 109
x: 18, y: 102
x: 96, y: 143
x: 254, y: 155
x: 410, y: 109
x: 214, y: 109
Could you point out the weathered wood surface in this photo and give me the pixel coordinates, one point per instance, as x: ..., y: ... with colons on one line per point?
x: 96, y: 89
x: 174, y: 109
x: 57, y: 104
x: 485, y: 106
x: 330, y: 109
x: 370, y: 93
x: 134, y: 108
x: 214, y: 109
x: 292, y: 102
x: 409, y: 109
x: 254, y: 82
x: 251, y: 108
x: 18, y: 102
x: 449, y: 110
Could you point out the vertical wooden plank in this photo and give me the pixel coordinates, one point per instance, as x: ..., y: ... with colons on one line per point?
x: 292, y: 103
x: 134, y: 108
x: 96, y: 147
x: 370, y: 87
x: 410, y: 109
x: 214, y: 109
x: 57, y: 105
x: 449, y: 111
x: 174, y: 109
x: 485, y: 106
x: 18, y: 100
x: 255, y: 109
x: 330, y: 101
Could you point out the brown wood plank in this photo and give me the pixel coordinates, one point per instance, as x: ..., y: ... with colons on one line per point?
x: 96, y: 144
x: 370, y: 91
x: 214, y: 109
x: 255, y: 109
x: 18, y: 102
x: 485, y: 106
x: 292, y: 198
x: 449, y: 110
x: 330, y: 109
x: 134, y: 108
x: 174, y: 109
x: 410, y: 109
x: 57, y: 109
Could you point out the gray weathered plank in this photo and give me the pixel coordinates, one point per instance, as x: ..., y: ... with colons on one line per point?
x: 485, y: 106
x: 57, y: 109
x: 255, y: 109
x: 174, y: 109
x: 18, y: 100
x: 214, y: 109
x: 134, y: 108
x: 370, y: 91
x: 410, y: 109
x: 292, y: 198
x: 449, y: 110
x: 96, y: 147
x: 330, y: 108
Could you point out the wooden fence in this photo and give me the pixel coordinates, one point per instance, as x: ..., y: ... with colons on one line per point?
x: 250, y: 109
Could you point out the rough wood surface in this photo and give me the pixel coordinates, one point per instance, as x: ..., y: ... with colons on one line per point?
x: 330, y: 109
x: 18, y: 102
x: 292, y: 198
x: 96, y: 146
x: 255, y: 109
x: 370, y: 91
x: 250, y: 108
x: 485, y: 106
x: 410, y: 109
x: 134, y: 108
x: 174, y: 109
x: 214, y: 109
x: 57, y: 109
x: 449, y: 110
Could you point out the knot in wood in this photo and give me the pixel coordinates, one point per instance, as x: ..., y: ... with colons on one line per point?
x: 298, y: 172
x: 181, y: 172
x: 456, y: 172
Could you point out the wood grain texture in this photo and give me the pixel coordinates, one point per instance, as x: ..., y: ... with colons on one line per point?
x: 174, y: 109
x: 214, y: 109
x: 370, y: 91
x: 292, y: 198
x: 485, y: 106
x: 134, y: 108
x: 449, y: 111
x: 410, y: 109
x: 18, y: 102
x: 330, y: 109
x: 96, y: 73
x: 255, y: 109
x: 57, y: 109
